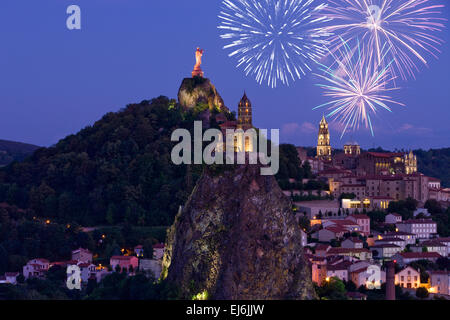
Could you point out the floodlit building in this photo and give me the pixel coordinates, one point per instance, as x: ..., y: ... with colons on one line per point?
x: 408, y: 278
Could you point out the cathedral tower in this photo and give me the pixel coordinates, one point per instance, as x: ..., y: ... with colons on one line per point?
x: 323, y: 144
x: 245, y: 113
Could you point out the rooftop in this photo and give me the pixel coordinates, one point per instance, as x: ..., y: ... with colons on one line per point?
x: 418, y: 255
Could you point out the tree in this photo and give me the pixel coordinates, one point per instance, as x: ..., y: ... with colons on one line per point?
x: 304, y: 223
x: 422, y: 293
x: 333, y: 289
x: 349, y: 196
x: 433, y: 206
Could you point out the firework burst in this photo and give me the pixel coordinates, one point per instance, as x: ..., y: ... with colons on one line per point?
x: 274, y: 40
x: 357, y: 86
x: 408, y: 27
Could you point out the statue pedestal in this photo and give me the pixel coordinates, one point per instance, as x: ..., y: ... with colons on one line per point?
x: 197, y: 72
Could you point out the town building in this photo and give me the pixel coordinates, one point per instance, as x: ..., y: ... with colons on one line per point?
x: 323, y: 141
x: 352, y: 149
x: 361, y: 254
x: 352, y: 243
x: 125, y: 263
x: 330, y: 233
x: 439, y: 282
x: 303, y: 238
x: 9, y: 278
x: 158, y: 251
x: 82, y: 255
x: 422, y: 228
x: 363, y: 221
x: 385, y: 251
x: 393, y: 218
x: 392, y: 240
x: 431, y: 246
x: 404, y: 258
x: 36, y: 268
x: 408, y: 237
x: 348, y: 224
x: 408, y: 278
x: 375, y: 163
x: 370, y: 276
x: 152, y: 266
x: 243, y: 140
x: 139, y: 251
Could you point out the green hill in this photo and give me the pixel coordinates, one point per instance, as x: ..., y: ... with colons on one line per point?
x: 14, y: 151
x: 117, y: 170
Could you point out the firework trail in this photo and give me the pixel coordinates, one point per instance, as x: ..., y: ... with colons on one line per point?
x: 274, y: 40
x: 408, y: 27
x: 357, y: 86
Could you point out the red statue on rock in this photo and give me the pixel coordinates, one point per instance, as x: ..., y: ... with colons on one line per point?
x: 197, y: 68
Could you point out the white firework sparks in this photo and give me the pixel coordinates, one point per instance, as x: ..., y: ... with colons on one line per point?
x: 358, y: 88
x: 274, y: 40
x: 410, y: 28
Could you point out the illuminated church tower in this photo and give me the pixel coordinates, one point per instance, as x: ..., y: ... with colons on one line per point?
x: 245, y: 113
x: 323, y: 144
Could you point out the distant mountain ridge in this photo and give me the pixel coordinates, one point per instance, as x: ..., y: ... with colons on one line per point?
x: 14, y: 151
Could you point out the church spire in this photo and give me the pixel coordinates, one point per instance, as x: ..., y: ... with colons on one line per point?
x: 323, y: 141
x: 245, y: 111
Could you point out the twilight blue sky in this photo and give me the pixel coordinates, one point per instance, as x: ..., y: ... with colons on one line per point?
x: 53, y: 81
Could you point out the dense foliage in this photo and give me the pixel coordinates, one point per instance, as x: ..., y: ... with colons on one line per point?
x: 118, y: 170
x: 435, y: 163
x: 116, y: 286
x: 23, y: 237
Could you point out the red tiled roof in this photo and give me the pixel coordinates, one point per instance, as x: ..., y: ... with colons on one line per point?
x: 386, y: 245
x: 347, y: 250
x: 353, y: 186
x: 81, y: 249
x: 333, y: 170
x: 339, y: 266
x: 432, y: 243
x: 442, y: 272
x: 395, y: 234
x: 228, y: 124
x: 395, y: 214
x: 391, y: 239
x: 122, y: 257
x: 362, y: 269
x: 417, y: 221
x: 355, y: 240
x: 41, y: 260
x: 359, y: 216
x: 381, y: 198
x: 418, y: 255
x: 336, y: 229
x: 322, y: 246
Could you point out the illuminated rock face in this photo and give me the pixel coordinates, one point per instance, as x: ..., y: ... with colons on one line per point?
x: 197, y: 90
x: 237, y: 238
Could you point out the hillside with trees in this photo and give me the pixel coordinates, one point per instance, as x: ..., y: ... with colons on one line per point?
x: 14, y: 151
x: 118, y: 170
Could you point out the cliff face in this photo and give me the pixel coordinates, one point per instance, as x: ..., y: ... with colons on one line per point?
x: 236, y: 238
x: 200, y: 90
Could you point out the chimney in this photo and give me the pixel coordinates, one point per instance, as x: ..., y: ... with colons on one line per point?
x: 390, y: 280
